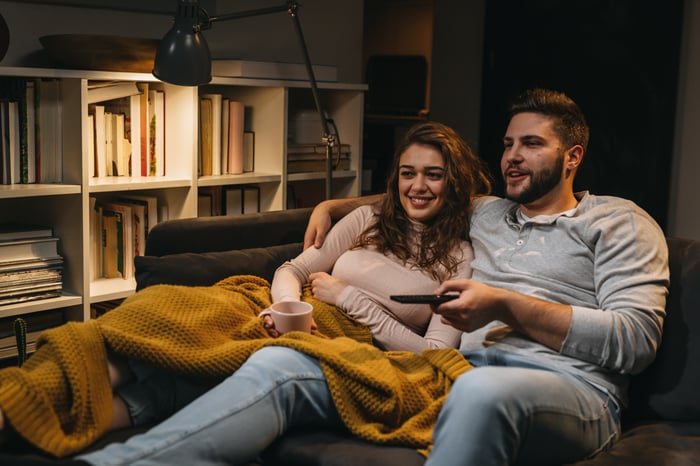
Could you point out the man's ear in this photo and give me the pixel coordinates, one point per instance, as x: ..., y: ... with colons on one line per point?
x: 574, y: 157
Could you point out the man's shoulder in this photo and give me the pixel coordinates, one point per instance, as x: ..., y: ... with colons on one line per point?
x: 612, y: 205
x: 482, y: 202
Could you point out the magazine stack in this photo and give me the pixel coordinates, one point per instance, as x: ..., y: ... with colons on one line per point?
x: 30, y: 265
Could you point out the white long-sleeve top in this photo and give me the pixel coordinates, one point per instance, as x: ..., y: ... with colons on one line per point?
x: 371, y: 278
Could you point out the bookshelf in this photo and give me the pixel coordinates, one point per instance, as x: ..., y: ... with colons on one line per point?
x: 65, y: 206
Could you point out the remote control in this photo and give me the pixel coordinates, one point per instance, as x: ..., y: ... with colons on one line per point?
x: 424, y: 298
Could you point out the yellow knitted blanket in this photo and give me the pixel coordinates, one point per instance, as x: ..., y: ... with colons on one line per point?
x: 61, y: 402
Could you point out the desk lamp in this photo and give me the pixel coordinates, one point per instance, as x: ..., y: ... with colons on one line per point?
x: 183, y: 58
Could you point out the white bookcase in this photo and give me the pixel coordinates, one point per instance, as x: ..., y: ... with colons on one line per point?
x: 269, y: 104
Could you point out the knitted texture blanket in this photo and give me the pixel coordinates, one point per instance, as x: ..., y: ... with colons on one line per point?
x: 60, y: 400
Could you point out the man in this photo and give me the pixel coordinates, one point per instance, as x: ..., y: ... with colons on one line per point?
x: 566, y: 301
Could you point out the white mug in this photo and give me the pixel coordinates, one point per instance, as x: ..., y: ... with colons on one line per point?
x: 290, y: 316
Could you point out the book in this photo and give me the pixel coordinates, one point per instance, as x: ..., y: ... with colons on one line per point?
x: 248, y: 151
x: 224, y: 134
x: 271, y: 70
x: 4, y: 142
x: 134, y: 133
x: 121, y: 145
x: 251, y: 199
x: 14, y: 141
x: 25, y: 249
x: 120, y: 111
x: 112, y: 260
x: 232, y: 200
x: 18, y: 231
x: 104, y: 91
x: 205, y: 134
x: 49, y: 145
x: 205, y: 207
x: 109, y: 144
x: 215, y: 128
x: 95, y: 219
x: 156, y: 105
x: 124, y: 230
x: 151, y: 207
x: 29, y: 160
x: 144, y: 128
x: 100, y: 150
x: 235, y: 137
x: 30, y: 264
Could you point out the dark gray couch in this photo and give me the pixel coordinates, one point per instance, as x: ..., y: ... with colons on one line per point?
x: 661, y: 425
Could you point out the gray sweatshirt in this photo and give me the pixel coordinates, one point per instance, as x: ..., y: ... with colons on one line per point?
x: 607, y: 258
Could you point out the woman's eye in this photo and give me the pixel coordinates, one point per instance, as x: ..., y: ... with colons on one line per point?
x: 435, y: 175
x: 407, y: 174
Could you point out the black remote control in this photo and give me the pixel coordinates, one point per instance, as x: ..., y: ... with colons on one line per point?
x: 424, y: 298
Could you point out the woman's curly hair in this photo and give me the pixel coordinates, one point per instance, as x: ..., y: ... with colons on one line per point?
x: 466, y: 177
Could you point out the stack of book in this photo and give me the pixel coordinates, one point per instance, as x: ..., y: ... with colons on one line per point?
x: 126, y: 127
x: 226, y: 148
x: 30, y: 131
x: 119, y: 229
x: 30, y: 265
x: 303, y: 158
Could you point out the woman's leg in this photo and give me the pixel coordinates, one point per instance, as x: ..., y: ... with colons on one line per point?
x: 276, y: 389
x: 507, y: 415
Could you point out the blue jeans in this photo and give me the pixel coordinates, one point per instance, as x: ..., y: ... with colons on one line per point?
x: 277, y: 389
x: 503, y: 411
x: 509, y: 411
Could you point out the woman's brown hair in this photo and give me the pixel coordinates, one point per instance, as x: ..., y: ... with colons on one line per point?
x: 466, y: 177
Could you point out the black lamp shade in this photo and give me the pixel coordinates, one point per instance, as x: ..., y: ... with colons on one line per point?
x: 183, y: 56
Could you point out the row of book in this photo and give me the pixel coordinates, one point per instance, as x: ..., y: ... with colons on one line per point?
x: 31, y: 267
x: 30, y: 131
x: 126, y: 128
x: 225, y: 147
x: 302, y: 158
x: 118, y: 232
x: 228, y: 200
x: 36, y: 323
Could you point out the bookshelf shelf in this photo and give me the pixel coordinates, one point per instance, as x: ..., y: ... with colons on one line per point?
x: 246, y: 178
x: 31, y: 190
x: 118, y: 183
x: 30, y: 307
x: 321, y: 176
x: 107, y: 289
x: 270, y: 109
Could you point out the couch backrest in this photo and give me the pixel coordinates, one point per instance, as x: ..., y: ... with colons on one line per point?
x: 224, y: 233
x: 201, y: 251
x: 668, y: 389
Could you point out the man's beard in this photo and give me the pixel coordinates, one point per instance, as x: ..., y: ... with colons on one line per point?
x: 540, y: 184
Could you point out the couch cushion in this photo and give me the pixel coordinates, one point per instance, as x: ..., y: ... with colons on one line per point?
x: 658, y: 444
x: 207, y: 268
x: 668, y: 389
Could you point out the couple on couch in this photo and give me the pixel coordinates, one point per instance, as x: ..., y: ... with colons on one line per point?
x: 567, y: 301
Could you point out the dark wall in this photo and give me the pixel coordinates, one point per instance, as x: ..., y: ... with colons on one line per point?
x: 618, y: 59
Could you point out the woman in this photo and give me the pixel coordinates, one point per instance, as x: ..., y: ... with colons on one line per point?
x: 410, y: 243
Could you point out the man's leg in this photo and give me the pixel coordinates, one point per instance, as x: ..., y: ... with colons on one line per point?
x: 513, y: 415
x: 277, y: 388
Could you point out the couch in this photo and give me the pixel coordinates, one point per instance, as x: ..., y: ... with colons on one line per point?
x: 660, y: 427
